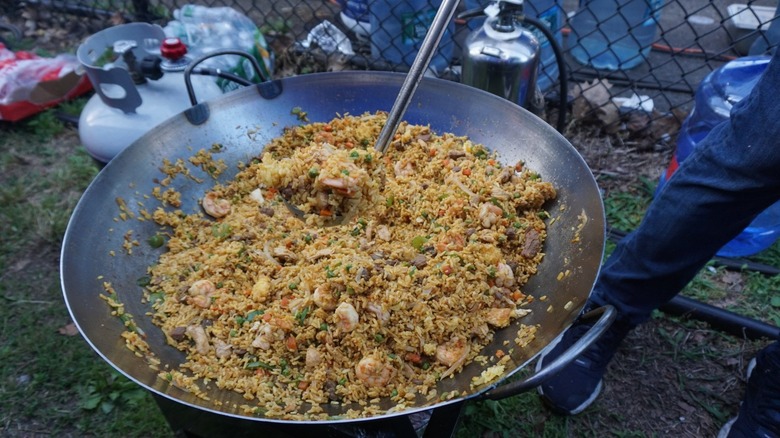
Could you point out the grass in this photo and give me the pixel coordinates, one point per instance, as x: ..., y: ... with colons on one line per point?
x: 52, y: 383
x: 748, y: 293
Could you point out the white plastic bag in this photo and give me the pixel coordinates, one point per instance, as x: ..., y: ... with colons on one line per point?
x: 329, y: 38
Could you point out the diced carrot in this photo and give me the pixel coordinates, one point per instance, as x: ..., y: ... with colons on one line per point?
x: 446, y: 269
x: 492, y: 162
x: 325, y: 212
x: 467, y: 171
x: 500, y: 354
x: 285, y: 301
x: 302, y: 385
x: 291, y: 343
x: 432, y: 152
x: 413, y: 357
x: 517, y: 295
x: 327, y: 128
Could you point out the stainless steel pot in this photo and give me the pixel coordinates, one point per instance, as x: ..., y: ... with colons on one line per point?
x: 243, y: 121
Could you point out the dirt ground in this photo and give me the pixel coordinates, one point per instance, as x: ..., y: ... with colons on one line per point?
x: 659, y: 384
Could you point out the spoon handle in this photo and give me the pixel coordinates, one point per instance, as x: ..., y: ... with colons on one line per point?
x: 421, y: 61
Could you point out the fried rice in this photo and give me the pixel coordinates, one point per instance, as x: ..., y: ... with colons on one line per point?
x: 437, y: 240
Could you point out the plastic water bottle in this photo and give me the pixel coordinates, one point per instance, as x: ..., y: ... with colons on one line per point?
x: 549, y: 12
x: 399, y: 27
x: 354, y: 15
x: 715, y: 96
x: 614, y: 34
x: 205, y: 30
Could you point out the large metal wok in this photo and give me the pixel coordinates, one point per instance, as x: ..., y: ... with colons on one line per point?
x: 243, y: 121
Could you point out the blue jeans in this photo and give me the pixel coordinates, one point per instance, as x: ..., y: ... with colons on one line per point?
x: 730, y: 177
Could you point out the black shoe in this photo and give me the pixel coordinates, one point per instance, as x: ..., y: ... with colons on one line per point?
x: 759, y: 414
x: 575, y: 387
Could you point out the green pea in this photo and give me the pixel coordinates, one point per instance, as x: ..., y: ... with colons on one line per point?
x: 156, y: 241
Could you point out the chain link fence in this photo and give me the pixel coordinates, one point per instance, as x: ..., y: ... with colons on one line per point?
x: 693, y: 38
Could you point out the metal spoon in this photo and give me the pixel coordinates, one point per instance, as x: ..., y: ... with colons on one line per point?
x: 422, y: 60
x: 416, y: 71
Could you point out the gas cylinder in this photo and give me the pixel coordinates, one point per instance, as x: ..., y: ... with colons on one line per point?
x: 138, y: 77
x: 502, y: 56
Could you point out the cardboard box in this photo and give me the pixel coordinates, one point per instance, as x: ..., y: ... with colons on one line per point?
x: 746, y: 22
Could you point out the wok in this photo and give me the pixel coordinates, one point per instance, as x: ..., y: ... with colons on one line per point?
x: 243, y: 121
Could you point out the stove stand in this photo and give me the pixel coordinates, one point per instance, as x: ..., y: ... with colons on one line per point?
x: 189, y: 422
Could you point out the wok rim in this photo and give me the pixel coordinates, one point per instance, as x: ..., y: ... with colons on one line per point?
x: 363, y: 79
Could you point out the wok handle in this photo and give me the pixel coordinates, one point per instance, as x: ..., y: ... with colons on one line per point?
x: 191, y: 66
x: 608, y: 314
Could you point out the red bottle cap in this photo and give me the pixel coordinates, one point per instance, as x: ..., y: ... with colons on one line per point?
x: 173, y: 49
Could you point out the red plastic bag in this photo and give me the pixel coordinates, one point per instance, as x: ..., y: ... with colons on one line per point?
x: 29, y: 84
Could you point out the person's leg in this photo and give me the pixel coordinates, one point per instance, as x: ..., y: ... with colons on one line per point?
x: 729, y: 178
x: 759, y: 414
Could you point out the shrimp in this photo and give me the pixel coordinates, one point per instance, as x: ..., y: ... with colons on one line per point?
x: 499, y: 193
x: 200, y: 293
x: 450, y: 241
x: 453, y: 353
x: 324, y: 297
x: 344, y: 186
x: 347, y: 317
x: 313, y: 357
x: 498, y: 317
x: 222, y: 348
x: 266, y: 336
x: 382, y: 315
x: 504, y: 275
x: 198, y: 335
x: 373, y: 372
x: 403, y: 168
x: 489, y: 214
x: 215, y: 206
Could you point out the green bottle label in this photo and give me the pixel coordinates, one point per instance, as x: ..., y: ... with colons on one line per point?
x: 415, y: 25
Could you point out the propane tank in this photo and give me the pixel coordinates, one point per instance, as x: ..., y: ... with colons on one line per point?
x: 138, y: 77
x: 502, y: 56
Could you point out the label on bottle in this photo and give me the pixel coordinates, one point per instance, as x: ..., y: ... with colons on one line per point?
x: 415, y: 25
